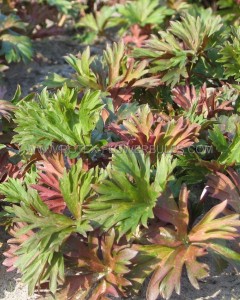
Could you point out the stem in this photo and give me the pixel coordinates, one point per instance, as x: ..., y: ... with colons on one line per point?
x: 62, y: 20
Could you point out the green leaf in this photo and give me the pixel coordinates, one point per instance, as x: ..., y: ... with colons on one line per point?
x: 218, y: 139
x: 76, y: 188
x: 176, y: 53
x: 127, y: 197
x: 230, y: 55
x: 229, y: 149
x: 40, y: 257
x: 144, y: 12
x: 16, y: 47
x: 57, y: 118
x: 100, y: 20
x: 225, y: 252
x: 14, y: 191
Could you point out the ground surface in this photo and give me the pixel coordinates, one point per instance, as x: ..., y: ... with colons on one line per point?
x: 49, y: 58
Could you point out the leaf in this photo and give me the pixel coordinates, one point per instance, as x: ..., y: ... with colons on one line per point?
x: 98, y: 258
x: 76, y: 188
x: 210, y: 228
x: 39, y: 257
x: 50, y: 171
x: 174, y: 248
x: 100, y: 21
x: 169, y: 272
x: 218, y: 139
x: 227, y: 253
x: 10, y: 166
x: 156, y: 137
x: 208, y: 102
x: 16, y: 48
x: 137, y: 36
x: 144, y: 12
x: 230, y: 55
x: 221, y: 187
x: 179, y: 48
x: 57, y: 119
x: 114, y: 73
x: 15, y: 191
x: 128, y: 196
x: 14, y: 243
x: 6, y: 108
x: 228, y: 148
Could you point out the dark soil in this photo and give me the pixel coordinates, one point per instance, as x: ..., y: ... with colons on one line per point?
x: 49, y: 58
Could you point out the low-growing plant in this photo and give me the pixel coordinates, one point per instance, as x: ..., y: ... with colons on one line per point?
x: 144, y: 13
x: 181, y: 245
x: 230, y: 10
x: 230, y: 55
x: 208, y: 103
x: 141, y: 14
x: 115, y: 74
x: 105, y: 175
x: 14, y: 46
x: 183, y: 48
x: 96, y: 24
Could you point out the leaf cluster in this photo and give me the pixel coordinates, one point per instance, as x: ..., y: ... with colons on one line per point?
x: 106, y: 175
x: 14, y: 46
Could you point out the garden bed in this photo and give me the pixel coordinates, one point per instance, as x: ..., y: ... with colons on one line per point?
x: 121, y: 176
x: 49, y: 58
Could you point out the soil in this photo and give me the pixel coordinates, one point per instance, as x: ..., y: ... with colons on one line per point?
x: 48, y: 59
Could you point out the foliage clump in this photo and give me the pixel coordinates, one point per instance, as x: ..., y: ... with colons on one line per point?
x: 106, y: 174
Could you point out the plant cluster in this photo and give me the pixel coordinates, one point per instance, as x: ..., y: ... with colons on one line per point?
x: 14, y: 45
x: 106, y: 175
x: 22, y: 21
x: 134, y: 21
